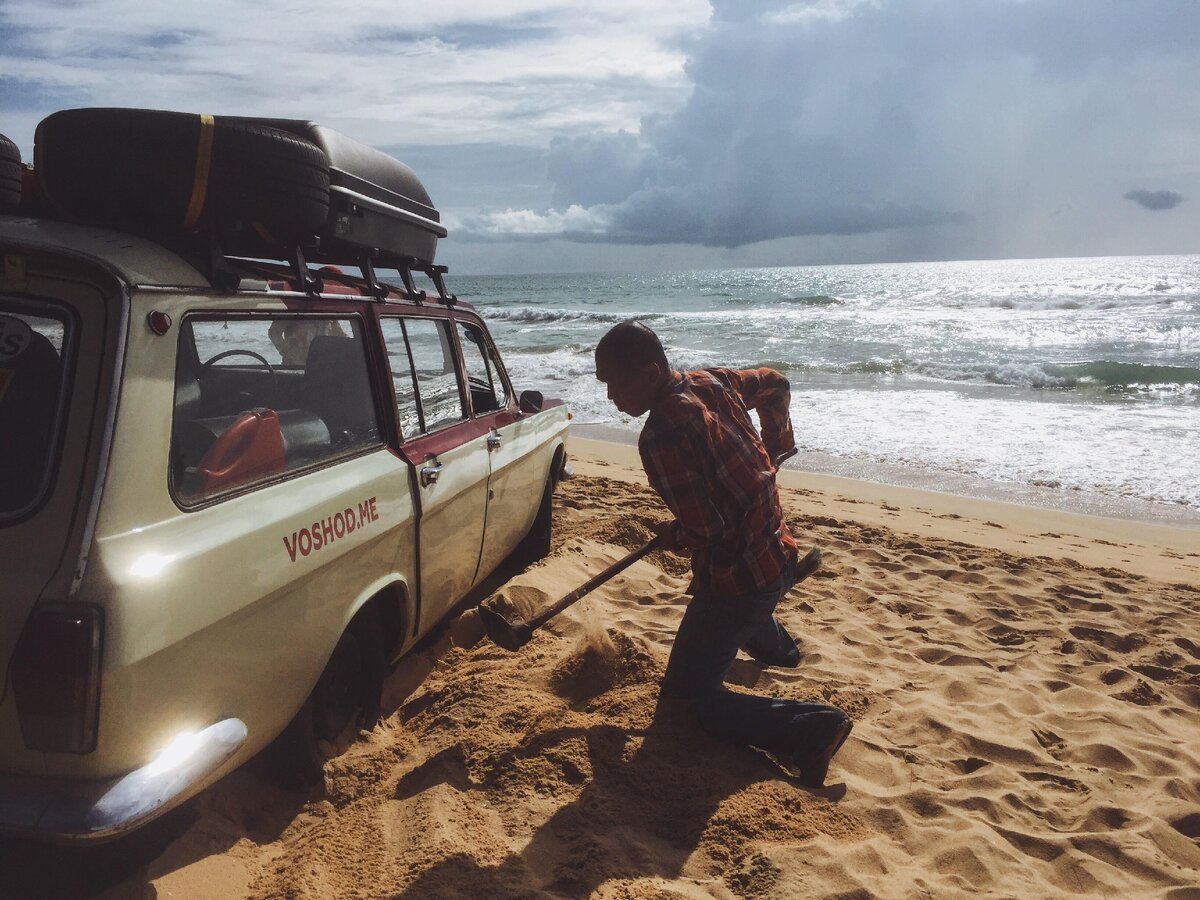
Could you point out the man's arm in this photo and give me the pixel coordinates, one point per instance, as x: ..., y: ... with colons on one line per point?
x: 770, y: 394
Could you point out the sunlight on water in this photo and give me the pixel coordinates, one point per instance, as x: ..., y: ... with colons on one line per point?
x: 1074, y: 374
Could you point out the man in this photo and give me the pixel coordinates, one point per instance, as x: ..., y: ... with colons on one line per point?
x: 716, y: 474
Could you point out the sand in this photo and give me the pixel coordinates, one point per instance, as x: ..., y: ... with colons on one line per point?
x: 1025, y: 685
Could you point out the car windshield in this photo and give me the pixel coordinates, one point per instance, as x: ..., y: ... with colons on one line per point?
x: 32, y: 366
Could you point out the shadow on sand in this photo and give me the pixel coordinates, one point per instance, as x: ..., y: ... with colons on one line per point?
x: 242, y: 804
x: 643, y: 814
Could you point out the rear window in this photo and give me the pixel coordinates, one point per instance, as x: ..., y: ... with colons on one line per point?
x: 34, y: 356
x: 257, y: 398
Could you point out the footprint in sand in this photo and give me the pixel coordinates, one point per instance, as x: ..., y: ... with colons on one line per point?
x: 1050, y: 741
x: 1188, y: 825
x: 1185, y: 644
x: 1142, y: 695
x: 1059, y: 781
x: 1120, y: 643
x: 1005, y: 636
x: 1156, y: 673
x: 971, y: 764
x: 1067, y: 591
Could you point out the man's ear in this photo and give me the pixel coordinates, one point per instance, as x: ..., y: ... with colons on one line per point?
x: 654, y: 372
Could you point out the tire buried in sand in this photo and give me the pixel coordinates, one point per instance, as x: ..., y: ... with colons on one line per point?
x: 344, y: 701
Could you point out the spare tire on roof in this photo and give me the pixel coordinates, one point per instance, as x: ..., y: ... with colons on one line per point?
x: 10, y: 176
x: 156, y: 171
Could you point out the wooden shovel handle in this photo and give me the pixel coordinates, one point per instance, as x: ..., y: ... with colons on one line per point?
x: 592, y: 583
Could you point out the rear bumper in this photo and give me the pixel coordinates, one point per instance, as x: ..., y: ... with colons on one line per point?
x: 62, y: 809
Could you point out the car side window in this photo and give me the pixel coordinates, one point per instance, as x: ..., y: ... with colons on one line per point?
x: 438, y: 400
x: 487, y: 389
x: 258, y: 397
x: 404, y: 380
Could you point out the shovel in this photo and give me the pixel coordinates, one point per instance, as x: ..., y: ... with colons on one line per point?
x: 513, y: 636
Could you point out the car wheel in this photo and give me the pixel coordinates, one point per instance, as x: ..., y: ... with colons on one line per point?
x: 137, y: 169
x: 344, y: 701
x: 535, y: 545
x: 10, y: 176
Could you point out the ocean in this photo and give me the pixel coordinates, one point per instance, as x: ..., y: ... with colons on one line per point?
x: 1069, y: 383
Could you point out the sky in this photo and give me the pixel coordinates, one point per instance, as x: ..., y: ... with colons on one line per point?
x: 633, y: 135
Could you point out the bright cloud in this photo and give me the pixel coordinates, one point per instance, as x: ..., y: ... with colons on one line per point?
x: 813, y: 12
x: 518, y: 72
x: 525, y: 223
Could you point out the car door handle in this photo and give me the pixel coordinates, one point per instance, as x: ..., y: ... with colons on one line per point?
x: 429, y: 474
x: 493, y: 441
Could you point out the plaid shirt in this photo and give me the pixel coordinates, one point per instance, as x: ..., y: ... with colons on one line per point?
x: 704, y: 458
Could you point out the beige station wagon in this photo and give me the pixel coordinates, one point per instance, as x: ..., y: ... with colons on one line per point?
x: 233, y: 489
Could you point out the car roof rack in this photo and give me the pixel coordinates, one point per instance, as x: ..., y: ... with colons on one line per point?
x: 218, y: 267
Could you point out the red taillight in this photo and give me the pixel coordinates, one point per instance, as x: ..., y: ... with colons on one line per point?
x: 55, y: 678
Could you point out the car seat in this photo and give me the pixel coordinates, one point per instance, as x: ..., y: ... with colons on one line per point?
x: 337, y: 388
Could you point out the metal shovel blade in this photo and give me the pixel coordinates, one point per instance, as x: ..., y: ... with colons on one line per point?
x: 509, y: 635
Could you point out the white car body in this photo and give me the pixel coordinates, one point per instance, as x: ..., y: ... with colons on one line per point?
x: 215, y: 605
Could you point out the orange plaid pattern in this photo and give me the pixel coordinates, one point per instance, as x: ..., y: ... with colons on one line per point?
x: 705, y: 459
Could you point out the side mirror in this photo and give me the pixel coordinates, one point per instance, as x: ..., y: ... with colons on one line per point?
x: 530, y: 401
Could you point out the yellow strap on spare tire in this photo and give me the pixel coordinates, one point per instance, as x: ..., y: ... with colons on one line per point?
x: 203, y: 164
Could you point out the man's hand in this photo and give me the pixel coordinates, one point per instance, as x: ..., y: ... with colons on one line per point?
x: 666, y: 532
x: 785, y: 455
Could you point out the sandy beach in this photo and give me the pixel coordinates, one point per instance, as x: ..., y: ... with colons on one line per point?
x: 1025, y: 685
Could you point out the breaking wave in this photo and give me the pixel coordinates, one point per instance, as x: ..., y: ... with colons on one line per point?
x: 529, y: 315
x: 1124, y: 374
x: 814, y: 300
x: 1114, y: 376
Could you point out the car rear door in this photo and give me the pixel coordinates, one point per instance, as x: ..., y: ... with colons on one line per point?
x: 517, y: 474
x: 57, y: 336
x: 448, y: 453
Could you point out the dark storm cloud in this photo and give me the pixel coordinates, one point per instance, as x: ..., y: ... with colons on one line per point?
x: 844, y: 117
x: 1154, y: 200
x: 607, y: 168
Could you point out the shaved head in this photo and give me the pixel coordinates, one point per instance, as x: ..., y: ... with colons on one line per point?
x: 631, y: 344
x: 631, y: 362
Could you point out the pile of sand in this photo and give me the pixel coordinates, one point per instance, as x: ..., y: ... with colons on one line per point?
x: 1027, y: 724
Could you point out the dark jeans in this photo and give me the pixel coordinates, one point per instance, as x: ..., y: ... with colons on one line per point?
x: 714, y: 627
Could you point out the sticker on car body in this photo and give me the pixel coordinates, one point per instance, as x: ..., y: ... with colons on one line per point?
x: 323, y: 532
x: 15, y: 336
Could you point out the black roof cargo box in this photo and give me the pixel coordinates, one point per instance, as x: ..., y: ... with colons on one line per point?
x: 256, y: 186
x: 375, y: 200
